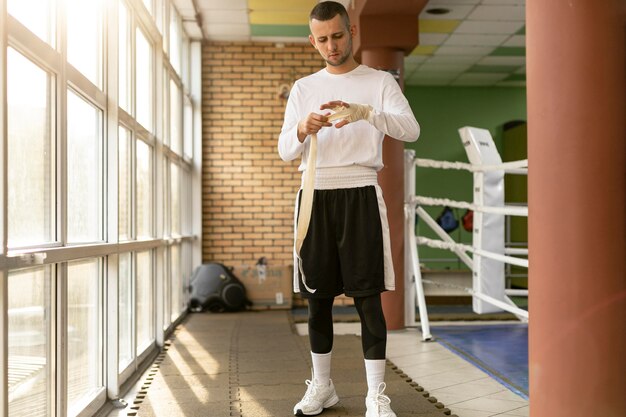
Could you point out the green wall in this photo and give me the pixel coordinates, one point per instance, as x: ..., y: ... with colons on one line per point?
x: 441, y: 111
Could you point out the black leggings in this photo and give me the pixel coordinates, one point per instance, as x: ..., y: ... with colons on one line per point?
x: 373, y: 326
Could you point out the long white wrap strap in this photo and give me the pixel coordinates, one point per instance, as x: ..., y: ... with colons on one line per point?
x: 353, y: 113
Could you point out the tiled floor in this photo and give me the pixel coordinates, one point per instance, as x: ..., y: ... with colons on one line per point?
x: 462, y: 387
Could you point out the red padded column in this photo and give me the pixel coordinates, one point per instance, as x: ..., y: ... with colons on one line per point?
x: 576, y: 65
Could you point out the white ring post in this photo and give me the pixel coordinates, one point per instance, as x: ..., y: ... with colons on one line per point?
x: 488, y: 235
x: 413, y: 286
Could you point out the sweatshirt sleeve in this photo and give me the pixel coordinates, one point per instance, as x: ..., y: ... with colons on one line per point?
x: 289, y: 147
x: 396, y: 118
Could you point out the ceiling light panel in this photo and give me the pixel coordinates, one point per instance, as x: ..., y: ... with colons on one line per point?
x: 503, y: 60
x: 432, y: 38
x: 225, y: 16
x: 475, y: 40
x: 505, y: 13
x: 516, y: 41
x: 489, y: 27
x: 464, y: 50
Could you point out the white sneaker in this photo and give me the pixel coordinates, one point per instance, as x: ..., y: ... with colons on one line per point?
x: 379, y: 405
x: 316, y: 399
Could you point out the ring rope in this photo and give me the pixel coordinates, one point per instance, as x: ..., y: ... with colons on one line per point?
x: 513, y: 167
x: 440, y: 244
x: 516, y: 251
x: 506, y: 210
x: 432, y: 223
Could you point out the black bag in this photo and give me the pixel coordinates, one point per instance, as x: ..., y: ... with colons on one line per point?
x: 216, y: 288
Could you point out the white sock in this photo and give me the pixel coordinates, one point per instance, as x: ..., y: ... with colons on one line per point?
x: 375, y: 370
x: 321, y: 367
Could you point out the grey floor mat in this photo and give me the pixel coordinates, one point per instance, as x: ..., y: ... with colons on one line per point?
x: 253, y: 364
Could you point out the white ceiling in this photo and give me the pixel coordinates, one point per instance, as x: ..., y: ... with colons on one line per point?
x: 475, y: 43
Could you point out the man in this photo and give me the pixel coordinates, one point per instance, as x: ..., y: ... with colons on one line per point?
x: 347, y: 247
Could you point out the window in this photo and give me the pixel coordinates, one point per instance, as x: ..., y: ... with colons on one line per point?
x: 97, y: 179
x: 84, y: 170
x: 175, y: 40
x: 124, y: 214
x: 144, y: 71
x: 30, y: 376
x: 84, y: 38
x: 145, y: 304
x: 149, y: 5
x: 37, y: 15
x: 84, y: 332
x: 188, y: 130
x: 144, y: 190
x: 125, y: 310
x: 175, y: 282
x: 31, y: 153
x: 175, y: 118
x: 124, y: 70
x: 174, y: 199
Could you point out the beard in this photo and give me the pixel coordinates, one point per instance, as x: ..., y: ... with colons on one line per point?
x: 344, y: 57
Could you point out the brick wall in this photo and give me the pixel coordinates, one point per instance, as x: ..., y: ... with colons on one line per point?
x: 248, y: 191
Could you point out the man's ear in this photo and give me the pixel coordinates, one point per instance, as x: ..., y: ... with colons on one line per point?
x: 353, y: 31
x: 312, y: 40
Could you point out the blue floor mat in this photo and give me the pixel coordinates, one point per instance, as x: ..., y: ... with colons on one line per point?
x: 501, y: 350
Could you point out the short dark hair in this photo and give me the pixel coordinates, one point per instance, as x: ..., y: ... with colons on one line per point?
x: 326, y: 10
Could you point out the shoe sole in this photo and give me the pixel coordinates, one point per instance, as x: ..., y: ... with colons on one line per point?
x: 329, y: 403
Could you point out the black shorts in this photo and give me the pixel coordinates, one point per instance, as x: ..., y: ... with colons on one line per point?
x: 343, y: 250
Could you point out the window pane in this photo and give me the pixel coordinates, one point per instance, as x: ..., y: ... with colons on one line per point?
x: 31, y: 179
x: 124, y: 181
x: 125, y: 302
x: 148, y: 4
x: 162, y: 262
x: 145, y: 307
x: 175, y: 199
x: 144, y: 68
x: 29, y: 342
x: 38, y: 16
x: 124, y: 59
x: 188, y: 131
x: 176, y: 281
x: 185, y: 203
x: 84, y: 38
x: 159, y: 18
x: 144, y: 190
x: 84, y: 367
x: 185, y: 62
x: 166, y: 107
x: 84, y: 170
x: 175, y: 40
x: 175, y: 118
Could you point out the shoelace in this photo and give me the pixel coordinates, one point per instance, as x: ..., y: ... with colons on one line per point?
x: 353, y: 113
x: 310, y: 391
x: 383, y: 402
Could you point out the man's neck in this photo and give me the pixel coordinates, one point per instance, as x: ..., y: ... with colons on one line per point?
x: 347, y: 66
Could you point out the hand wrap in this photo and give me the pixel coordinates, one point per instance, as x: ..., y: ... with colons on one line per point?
x: 352, y: 114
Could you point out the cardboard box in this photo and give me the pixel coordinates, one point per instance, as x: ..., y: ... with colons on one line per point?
x: 269, y: 287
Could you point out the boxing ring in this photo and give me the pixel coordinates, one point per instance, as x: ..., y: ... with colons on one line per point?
x: 487, y: 256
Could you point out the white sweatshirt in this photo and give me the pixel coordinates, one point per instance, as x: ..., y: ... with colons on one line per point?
x: 358, y: 143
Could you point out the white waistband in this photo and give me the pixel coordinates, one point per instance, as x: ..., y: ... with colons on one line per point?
x: 352, y: 176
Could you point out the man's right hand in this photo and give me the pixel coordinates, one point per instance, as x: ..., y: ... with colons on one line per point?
x: 312, y: 124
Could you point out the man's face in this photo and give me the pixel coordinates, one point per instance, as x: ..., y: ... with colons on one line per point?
x: 332, y: 39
